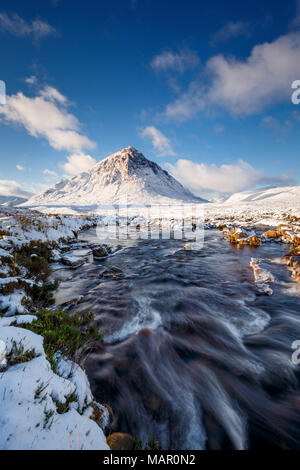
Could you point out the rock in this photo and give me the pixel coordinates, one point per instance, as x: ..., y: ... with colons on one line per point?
x: 235, y: 235
x: 101, y: 414
x: 111, y: 271
x: 270, y: 234
x: 72, y: 261
x: 297, y: 239
x: 120, y: 441
x: 100, y: 252
x: 71, y: 303
x: 295, y: 251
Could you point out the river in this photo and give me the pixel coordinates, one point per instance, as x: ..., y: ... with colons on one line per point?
x: 192, y: 356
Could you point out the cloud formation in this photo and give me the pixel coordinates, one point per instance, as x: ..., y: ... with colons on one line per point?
x: 226, y: 179
x: 242, y: 87
x: 232, y: 29
x: 78, y: 163
x: 17, y: 26
x: 46, y: 116
x: 50, y: 172
x: 175, y: 61
x: 160, y: 142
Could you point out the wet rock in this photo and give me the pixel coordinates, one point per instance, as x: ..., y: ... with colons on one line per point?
x: 120, y: 441
x: 71, y: 303
x: 270, y: 234
x: 295, y: 251
x: 100, y: 252
x: 145, y: 332
x: 112, y: 271
x: 101, y: 415
x: 72, y: 261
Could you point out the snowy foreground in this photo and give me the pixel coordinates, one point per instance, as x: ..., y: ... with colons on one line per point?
x: 32, y: 393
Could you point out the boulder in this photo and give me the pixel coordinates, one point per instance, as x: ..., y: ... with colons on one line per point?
x: 270, y: 234
x: 72, y: 261
x: 120, y: 441
x: 100, y: 252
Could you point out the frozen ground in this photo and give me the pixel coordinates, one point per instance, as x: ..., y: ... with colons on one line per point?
x: 32, y: 394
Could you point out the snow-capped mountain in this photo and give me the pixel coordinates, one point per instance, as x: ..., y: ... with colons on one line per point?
x: 124, y: 175
x: 279, y: 196
x: 11, y: 201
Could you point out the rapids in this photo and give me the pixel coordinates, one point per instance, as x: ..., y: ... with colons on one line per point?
x: 192, y: 355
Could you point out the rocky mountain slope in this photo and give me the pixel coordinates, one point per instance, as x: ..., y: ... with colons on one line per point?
x: 124, y: 175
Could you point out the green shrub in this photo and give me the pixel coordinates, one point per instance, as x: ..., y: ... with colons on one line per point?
x: 37, y: 265
x: 72, y: 336
x: 152, y: 444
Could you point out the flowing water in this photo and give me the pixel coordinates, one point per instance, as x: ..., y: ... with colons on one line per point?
x: 192, y: 356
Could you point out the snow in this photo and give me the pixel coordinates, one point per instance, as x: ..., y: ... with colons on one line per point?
x: 17, y: 319
x: 123, y: 177
x: 262, y: 277
x: 3, y: 361
x: 279, y: 195
x: 13, y: 303
x: 29, y: 391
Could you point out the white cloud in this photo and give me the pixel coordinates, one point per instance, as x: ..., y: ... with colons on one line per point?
x: 46, y: 116
x: 295, y: 24
x: 12, y: 188
x: 243, y: 86
x: 232, y: 29
x: 32, y: 80
x: 226, y: 179
x: 188, y: 104
x: 178, y: 61
x: 50, y: 172
x: 20, y: 167
x: 160, y: 142
x: 77, y: 163
x: 17, y: 26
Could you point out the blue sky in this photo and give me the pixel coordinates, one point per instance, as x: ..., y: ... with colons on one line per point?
x: 202, y: 88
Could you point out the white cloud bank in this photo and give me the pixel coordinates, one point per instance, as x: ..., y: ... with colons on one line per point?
x: 204, y: 179
x: 243, y: 87
x: 78, y: 163
x: 46, y: 116
x: 160, y: 142
x: 16, y: 25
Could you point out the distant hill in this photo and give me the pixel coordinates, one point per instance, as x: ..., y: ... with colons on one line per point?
x: 11, y: 201
x: 289, y: 195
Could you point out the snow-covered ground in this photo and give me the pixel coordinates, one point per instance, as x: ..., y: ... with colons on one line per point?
x: 32, y: 394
